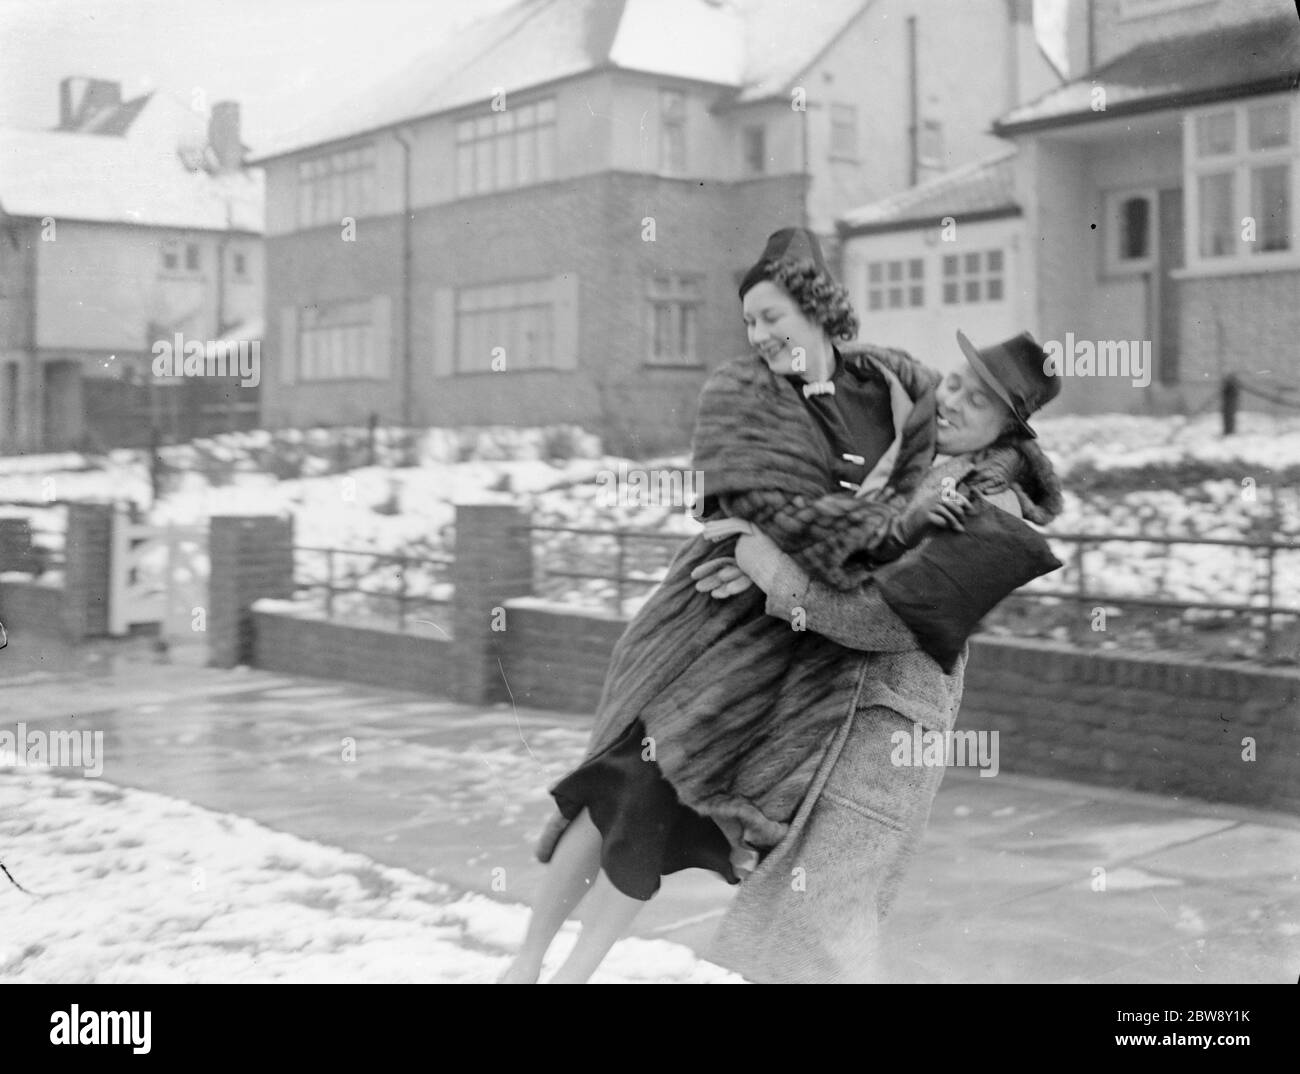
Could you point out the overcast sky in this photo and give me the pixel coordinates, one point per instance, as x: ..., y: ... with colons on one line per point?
x: 278, y: 58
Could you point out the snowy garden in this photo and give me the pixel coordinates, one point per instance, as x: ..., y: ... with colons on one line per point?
x: 394, y: 495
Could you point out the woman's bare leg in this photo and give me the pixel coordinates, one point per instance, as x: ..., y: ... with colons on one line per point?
x: 611, y: 916
x: 573, y: 868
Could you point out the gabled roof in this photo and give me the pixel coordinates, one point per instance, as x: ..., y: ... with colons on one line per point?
x: 1235, y: 61
x: 753, y: 48
x: 138, y: 178
x: 983, y: 189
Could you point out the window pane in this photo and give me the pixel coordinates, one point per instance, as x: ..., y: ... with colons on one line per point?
x: 874, y: 272
x: 545, y: 153
x: 483, y: 127
x: 688, y: 333
x: 1216, y: 134
x: 993, y: 289
x: 993, y: 259
x: 950, y: 294
x: 464, y: 169
x: 895, y: 271
x: 505, y: 121
x: 916, y: 268
x: 950, y: 265
x: 972, y: 262
x: 1270, y: 125
x: 465, y: 130
x: 915, y: 297
x: 972, y: 290
x: 1135, y: 226
x: 546, y: 110
x: 873, y: 300
x: 526, y: 155
x: 895, y: 298
x: 483, y: 164
x: 505, y: 162
x: 1217, y: 238
x: 1270, y: 204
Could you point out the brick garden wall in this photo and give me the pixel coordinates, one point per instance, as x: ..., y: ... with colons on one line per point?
x: 32, y: 608
x: 330, y: 650
x: 1149, y: 723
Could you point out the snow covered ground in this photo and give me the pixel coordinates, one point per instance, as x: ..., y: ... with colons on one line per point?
x: 1165, y: 477
x: 129, y: 886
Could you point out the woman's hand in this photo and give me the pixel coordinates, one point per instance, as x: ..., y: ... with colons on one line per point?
x: 721, y: 528
x: 759, y: 557
x: 721, y: 578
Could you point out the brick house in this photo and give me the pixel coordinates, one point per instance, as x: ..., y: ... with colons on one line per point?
x: 1150, y: 200
x: 545, y: 220
x: 127, y: 223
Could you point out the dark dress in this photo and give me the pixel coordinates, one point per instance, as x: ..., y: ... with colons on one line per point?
x: 647, y: 832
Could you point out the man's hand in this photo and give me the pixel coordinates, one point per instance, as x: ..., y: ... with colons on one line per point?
x: 721, y: 577
x: 940, y: 507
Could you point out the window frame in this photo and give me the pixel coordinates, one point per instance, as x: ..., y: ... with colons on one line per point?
x: 981, y: 277
x: 1113, y: 200
x: 838, y: 152
x: 327, y: 180
x: 326, y: 360
x: 677, y: 124
x: 680, y: 291
x: 479, y: 167
x: 1240, y: 164
x: 509, y: 303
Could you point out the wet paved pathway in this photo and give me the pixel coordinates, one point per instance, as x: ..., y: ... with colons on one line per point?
x: 1003, y: 889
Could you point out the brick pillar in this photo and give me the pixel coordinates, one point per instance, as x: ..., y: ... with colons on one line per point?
x: 494, y: 562
x: 251, y: 558
x: 87, y: 551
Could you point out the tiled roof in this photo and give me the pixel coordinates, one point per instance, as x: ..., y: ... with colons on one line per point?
x: 757, y: 48
x: 132, y: 179
x: 983, y: 188
x: 1230, y: 61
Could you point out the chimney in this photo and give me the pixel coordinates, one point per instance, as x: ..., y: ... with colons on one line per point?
x: 80, y: 98
x: 223, y: 136
x: 1022, y: 51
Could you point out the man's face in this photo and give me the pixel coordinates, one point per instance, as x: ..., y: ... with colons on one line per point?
x: 970, y: 415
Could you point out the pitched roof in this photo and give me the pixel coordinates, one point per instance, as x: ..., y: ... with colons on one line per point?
x: 128, y: 179
x: 984, y: 188
x: 1255, y: 57
x: 756, y: 48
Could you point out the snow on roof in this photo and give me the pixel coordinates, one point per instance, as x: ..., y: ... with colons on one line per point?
x: 1253, y: 57
x: 784, y: 37
x: 754, y: 47
x: 983, y: 186
x: 122, y: 179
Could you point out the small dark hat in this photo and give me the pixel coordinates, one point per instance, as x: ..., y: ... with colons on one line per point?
x: 1016, y: 372
x: 790, y: 242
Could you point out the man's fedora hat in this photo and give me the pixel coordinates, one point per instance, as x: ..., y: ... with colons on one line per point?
x: 795, y: 243
x: 1016, y: 372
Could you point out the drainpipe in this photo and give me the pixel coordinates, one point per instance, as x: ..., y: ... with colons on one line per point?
x: 1092, y: 34
x: 807, y: 179
x: 406, y: 277
x: 913, y: 107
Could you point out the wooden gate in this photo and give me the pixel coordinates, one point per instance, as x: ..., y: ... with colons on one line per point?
x: 157, y: 575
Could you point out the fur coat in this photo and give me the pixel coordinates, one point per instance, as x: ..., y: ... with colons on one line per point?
x: 707, y: 676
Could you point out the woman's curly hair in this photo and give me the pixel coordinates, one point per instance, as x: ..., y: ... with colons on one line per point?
x: 819, y: 296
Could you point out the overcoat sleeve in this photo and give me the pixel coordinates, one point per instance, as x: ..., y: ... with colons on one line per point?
x: 856, y: 618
